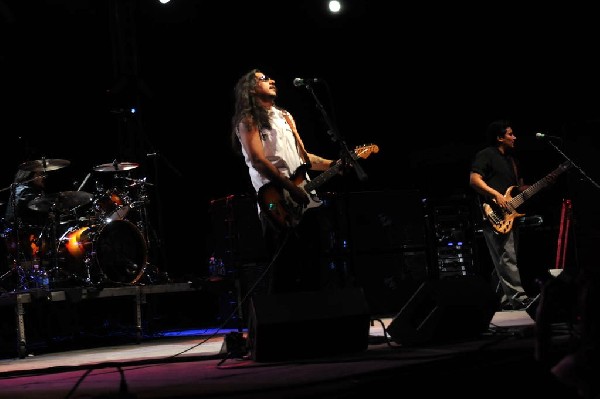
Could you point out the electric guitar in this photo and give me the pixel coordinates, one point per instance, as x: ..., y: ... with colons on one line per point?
x: 502, y: 219
x: 277, y: 202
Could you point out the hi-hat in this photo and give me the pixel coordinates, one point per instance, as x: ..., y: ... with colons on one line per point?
x: 115, y: 167
x: 62, y: 201
x: 44, y: 165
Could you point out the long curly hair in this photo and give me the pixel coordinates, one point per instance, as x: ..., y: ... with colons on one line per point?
x: 246, y: 109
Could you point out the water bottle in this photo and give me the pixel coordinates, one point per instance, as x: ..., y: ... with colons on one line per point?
x: 36, y: 276
x: 44, y: 279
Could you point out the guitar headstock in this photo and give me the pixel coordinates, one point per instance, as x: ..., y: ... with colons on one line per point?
x: 365, y: 150
x: 565, y: 165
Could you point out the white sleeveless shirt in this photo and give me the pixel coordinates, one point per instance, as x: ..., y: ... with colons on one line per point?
x: 280, y: 147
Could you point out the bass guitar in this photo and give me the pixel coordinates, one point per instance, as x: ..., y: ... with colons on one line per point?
x: 277, y: 203
x: 502, y: 219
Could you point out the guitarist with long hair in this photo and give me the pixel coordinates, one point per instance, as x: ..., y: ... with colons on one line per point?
x: 266, y: 136
x: 494, y: 171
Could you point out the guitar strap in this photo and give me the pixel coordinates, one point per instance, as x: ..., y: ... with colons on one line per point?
x: 299, y: 142
x: 514, y: 165
x: 479, y: 198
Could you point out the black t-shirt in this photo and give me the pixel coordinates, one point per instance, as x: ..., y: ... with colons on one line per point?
x: 497, y: 169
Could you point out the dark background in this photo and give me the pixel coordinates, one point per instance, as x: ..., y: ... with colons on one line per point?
x: 420, y: 82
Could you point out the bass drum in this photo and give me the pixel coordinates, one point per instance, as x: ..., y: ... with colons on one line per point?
x: 114, y: 251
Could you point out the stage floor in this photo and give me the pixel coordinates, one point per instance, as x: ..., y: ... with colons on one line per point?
x: 196, y: 364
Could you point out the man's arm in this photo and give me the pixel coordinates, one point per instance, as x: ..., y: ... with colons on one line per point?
x: 480, y: 186
x: 318, y: 163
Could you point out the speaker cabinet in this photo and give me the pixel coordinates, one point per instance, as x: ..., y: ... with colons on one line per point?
x: 390, y: 279
x: 236, y: 231
x: 445, y: 310
x: 386, y: 220
x: 307, y: 324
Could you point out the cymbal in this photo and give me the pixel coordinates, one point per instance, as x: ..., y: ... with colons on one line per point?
x: 44, y: 165
x: 115, y: 167
x: 62, y: 201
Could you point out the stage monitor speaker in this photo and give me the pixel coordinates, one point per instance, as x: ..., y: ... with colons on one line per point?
x: 308, y: 324
x: 445, y: 310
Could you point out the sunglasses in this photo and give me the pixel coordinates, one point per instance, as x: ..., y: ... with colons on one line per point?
x: 264, y: 78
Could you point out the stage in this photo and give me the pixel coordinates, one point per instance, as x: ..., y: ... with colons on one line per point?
x: 197, y: 363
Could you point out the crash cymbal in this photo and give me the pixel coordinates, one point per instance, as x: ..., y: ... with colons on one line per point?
x: 44, y: 165
x: 62, y: 201
x: 115, y: 167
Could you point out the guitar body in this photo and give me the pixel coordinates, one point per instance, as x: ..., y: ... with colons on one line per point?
x: 278, y: 204
x: 501, y: 220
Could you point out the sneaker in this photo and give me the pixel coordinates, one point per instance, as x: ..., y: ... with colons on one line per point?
x: 522, y: 303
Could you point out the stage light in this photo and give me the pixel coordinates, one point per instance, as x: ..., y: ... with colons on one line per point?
x: 335, y: 6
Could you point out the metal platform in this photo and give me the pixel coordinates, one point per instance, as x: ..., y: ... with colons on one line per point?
x: 137, y: 293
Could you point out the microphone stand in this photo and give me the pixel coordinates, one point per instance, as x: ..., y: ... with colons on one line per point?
x: 347, y: 155
x: 156, y: 156
x: 574, y: 164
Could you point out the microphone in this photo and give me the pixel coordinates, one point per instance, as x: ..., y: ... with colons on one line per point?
x: 304, y: 82
x: 543, y: 136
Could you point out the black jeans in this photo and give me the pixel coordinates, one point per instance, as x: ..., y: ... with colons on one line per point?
x: 299, y: 254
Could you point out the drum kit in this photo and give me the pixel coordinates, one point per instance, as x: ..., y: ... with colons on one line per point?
x: 87, y: 239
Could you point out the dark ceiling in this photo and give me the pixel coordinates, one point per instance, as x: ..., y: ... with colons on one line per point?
x: 421, y: 82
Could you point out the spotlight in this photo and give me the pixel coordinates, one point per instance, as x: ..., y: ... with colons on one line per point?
x: 335, y: 6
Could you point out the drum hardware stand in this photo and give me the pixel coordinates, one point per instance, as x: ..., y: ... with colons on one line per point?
x: 156, y: 157
x: 144, y: 226
x: 54, y: 220
x: 17, y: 269
x: 16, y: 223
x: 15, y: 259
x: 88, y: 275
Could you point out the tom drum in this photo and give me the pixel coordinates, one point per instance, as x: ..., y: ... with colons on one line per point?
x: 112, y: 205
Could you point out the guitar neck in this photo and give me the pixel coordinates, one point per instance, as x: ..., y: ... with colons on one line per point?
x: 359, y: 152
x: 323, y: 177
x: 519, y: 199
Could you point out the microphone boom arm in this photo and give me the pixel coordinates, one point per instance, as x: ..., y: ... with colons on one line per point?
x: 574, y: 165
x: 347, y: 155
